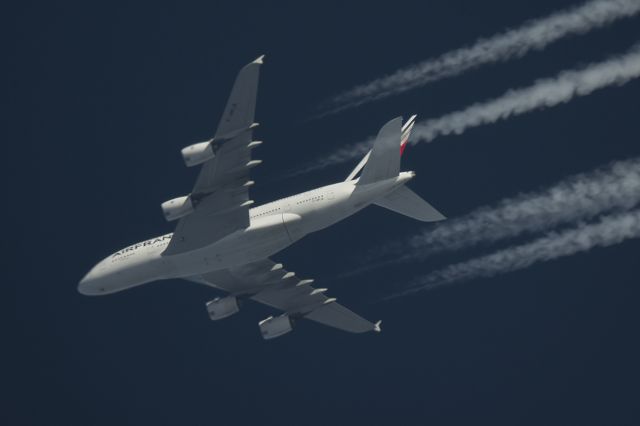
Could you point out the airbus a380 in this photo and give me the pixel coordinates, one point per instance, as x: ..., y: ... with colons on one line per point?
x: 222, y: 242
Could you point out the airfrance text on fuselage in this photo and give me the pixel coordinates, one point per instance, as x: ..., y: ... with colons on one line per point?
x: 143, y: 244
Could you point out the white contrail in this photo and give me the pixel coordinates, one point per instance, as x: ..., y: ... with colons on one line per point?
x: 340, y: 156
x: 513, y: 43
x: 543, y: 93
x: 610, y: 230
x: 615, y: 187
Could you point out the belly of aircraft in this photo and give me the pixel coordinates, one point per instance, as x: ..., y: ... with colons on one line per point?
x: 265, y: 237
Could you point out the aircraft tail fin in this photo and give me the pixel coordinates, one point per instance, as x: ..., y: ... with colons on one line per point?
x: 404, y: 138
x: 408, y: 203
x: 384, y: 159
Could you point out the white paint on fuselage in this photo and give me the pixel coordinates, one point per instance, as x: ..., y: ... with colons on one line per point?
x: 273, y: 227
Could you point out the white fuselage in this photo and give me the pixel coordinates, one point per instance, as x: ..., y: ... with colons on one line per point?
x: 273, y: 227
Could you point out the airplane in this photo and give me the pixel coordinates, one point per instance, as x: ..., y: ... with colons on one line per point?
x: 223, y: 242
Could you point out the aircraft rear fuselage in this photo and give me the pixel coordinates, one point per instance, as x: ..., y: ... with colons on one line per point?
x: 273, y: 227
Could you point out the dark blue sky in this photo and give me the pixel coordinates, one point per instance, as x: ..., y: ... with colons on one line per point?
x: 101, y: 97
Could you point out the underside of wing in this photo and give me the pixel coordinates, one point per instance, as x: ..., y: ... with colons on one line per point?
x: 269, y: 283
x: 337, y: 316
x: 219, y: 202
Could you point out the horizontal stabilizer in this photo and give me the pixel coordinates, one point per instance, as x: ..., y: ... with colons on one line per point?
x: 406, y: 202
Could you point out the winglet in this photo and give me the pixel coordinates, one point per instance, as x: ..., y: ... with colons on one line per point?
x: 376, y: 327
x: 259, y: 60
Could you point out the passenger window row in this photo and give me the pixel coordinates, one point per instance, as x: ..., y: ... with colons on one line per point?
x: 268, y: 212
x: 316, y: 198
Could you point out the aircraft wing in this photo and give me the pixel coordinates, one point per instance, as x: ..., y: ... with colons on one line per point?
x: 269, y: 283
x: 220, y: 196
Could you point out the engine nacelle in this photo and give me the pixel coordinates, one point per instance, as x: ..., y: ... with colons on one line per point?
x: 273, y: 327
x: 177, y: 208
x: 197, y: 153
x: 220, y: 308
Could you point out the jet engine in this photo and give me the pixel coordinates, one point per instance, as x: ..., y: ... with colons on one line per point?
x: 273, y: 327
x: 220, y: 308
x: 177, y: 208
x: 197, y: 153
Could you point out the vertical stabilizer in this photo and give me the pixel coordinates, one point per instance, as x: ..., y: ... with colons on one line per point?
x: 384, y: 159
x: 406, y: 133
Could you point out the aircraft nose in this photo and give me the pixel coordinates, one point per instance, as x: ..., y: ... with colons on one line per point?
x: 89, y: 285
x: 83, y: 285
